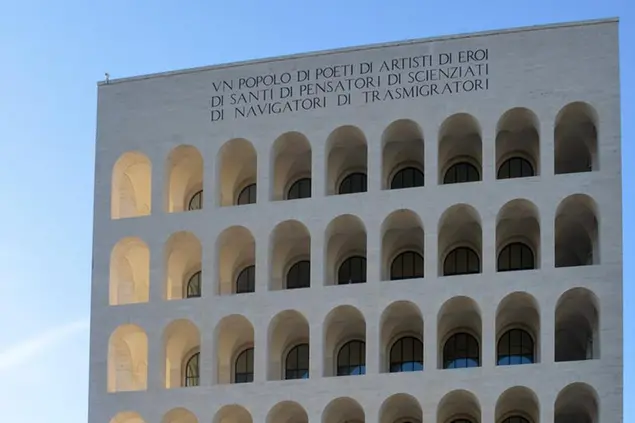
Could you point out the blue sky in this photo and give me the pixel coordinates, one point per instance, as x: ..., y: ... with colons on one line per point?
x: 52, y: 54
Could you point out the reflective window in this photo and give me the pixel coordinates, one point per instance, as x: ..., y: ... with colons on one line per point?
x: 351, y: 359
x: 244, y: 367
x: 408, y: 177
x: 247, y: 195
x: 407, y: 265
x: 515, y: 419
x: 192, y: 371
x: 355, y: 182
x: 515, y: 347
x: 196, y: 202
x: 193, y: 289
x: 461, y: 261
x: 352, y: 270
x: 299, y: 275
x: 297, y: 363
x: 246, y: 281
x: 406, y: 355
x: 461, y: 350
x: 515, y: 256
x: 515, y: 167
x: 461, y: 172
x: 300, y: 189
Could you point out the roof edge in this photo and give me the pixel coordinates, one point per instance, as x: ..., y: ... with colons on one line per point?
x: 373, y: 46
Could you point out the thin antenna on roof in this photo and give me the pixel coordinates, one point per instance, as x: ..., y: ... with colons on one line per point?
x: 107, y: 77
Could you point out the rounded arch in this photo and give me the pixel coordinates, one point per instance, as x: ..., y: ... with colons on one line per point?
x: 402, y: 146
x: 287, y: 330
x: 181, y: 339
x: 518, y: 226
x: 343, y: 409
x: 518, y: 312
x: 237, y: 164
x: 577, y: 331
x: 518, y: 401
x: 343, y: 324
x: 577, y: 402
x: 577, y: 232
x: 346, y: 153
x: 459, y: 227
x: 460, y: 142
x: 131, y: 186
x: 291, y: 161
x: 290, y: 242
x: 179, y: 415
x: 400, y: 407
x: 287, y: 412
x: 184, y: 169
x: 401, y: 231
x: 517, y: 144
x: 401, y: 319
x: 127, y: 359
x: 345, y: 237
x: 129, y: 272
x: 127, y: 417
x: 233, y: 413
x: 183, y: 259
x: 233, y: 334
x: 236, y: 250
x: 575, y: 139
x: 459, y: 404
x: 459, y: 316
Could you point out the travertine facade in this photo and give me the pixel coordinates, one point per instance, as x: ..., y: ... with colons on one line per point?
x: 404, y: 224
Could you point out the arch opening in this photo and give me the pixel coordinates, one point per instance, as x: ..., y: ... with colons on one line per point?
x: 131, y: 186
x: 185, y: 179
x: 517, y: 405
x: 129, y: 272
x: 236, y: 257
x: 237, y: 165
x: 459, y: 241
x: 577, y: 402
x: 401, y: 338
x: 287, y: 412
x: 181, y: 345
x: 346, y: 169
x: 179, y: 415
x: 290, y: 264
x: 575, y: 139
x: 291, y: 167
x: 577, y: 335
x: 402, y: 246
x: 517, y: 330
x: 459, y: 331
x: 128, y: 359
x: 288, y: 346
x: 517, y: 144
x: 400, y: 408
x: 183, y: 260
x: 403, y: 155
x: 459, y: 406
x: 232, y: 414
x: 343, y: 409
x: 234, y: 336
x: 344, y: 342
x: 345, y: 254
x: 517, y: 237
x: 577, y: 232
x: 460, y: 150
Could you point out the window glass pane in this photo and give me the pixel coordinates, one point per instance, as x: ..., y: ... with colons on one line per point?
x: 355, y: 182
x: 352, y: 270
x: 196, y: 202
x: 461, y: 350
x: 299, y: 275
x: 407, y: 178
x: 515, y: 256
x: 246, y: 281
x: 461, y: 261
x: 407, y: 265
x: 351, y: 359
x: 461, y: 172
x: 300, y: 189
x: 194, y: 286
x: 247, y: 195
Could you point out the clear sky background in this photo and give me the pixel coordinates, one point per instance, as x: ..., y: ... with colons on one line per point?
x: 52, y: 53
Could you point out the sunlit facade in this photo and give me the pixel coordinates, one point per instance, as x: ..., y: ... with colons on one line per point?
x: 442, y: 245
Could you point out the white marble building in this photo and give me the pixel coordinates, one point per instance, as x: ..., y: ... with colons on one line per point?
x: 427, y: 231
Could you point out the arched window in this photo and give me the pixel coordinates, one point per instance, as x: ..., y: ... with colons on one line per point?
x: 246, y: 281
x: 355, y: 182
x: 461, y: 350
x: 408, y: 177
x: 193, y: 287
x: 515, y: 347
x: 406, y: 355
x: 352, y: 270
x: 244, y: 367
x: 196, y: 202
x: 351, y: 359
x: 407, y: 265
x: 247, y: 195
x: 461, y: 261
x: 297, y: 363
x: 516, y: 256
x: 515, y: 419
x: 461, y: 172
x: 299, y: 275
x: 192, y: 370
x: 515, y: 167
x: 300, y: 189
